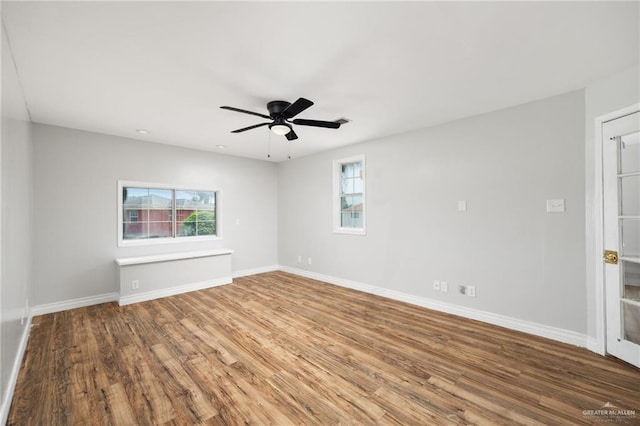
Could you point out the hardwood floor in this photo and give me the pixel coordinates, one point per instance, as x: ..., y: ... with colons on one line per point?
x: 279, y: 349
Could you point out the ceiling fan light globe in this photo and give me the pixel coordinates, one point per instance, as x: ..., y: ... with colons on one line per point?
x: 280, y: 129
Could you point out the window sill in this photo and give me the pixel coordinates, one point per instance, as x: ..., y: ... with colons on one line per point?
x: 350, y: 231
x: 156, y: 241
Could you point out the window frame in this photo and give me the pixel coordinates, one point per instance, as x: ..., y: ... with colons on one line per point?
x: 337, y: 195
x: 122, y: 242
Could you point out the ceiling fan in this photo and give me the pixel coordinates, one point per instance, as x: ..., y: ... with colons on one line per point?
x: 281, y: 114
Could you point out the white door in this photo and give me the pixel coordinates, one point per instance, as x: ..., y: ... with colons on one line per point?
x: 621, y: 195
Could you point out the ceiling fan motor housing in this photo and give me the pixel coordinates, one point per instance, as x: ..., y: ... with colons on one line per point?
x: 276, y: 108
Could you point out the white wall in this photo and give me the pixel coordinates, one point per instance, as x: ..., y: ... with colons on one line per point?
x: 16, y: 225
x: 525, y: 263
x: 616, y: 91
x: 75, y: 223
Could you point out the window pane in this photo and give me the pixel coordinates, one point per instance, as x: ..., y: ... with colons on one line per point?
x: 147, y: 213
x: 347, y: 202
x: 345, y: 216
x: 357, y: 185
x: 198, y: 225
x: 195, y: 200
x: 133, y: 230
x: 351, y: 214
x: 183, y: 195
x: 630, y: 230
x: 182, y: 215
x: 630, y: 153
x: 347, y: 170
x: 159, y: 229
x: 185, y: 229
x: 136, y: 198
x: 187, y: 215
x: 356, y: 219
x: 145, y: 230
x: 207, y: 200
x: 631, y: 315
x: 357, y: 169
x: 630, y: 194
x: 160, y: 198
x: 347, y: 186
x: 351, y: 219
x: 345, y: 221
x: 631, y: 280
x: 207, y: 227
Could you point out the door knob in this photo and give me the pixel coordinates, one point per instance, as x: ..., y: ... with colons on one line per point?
x: 611, y: 256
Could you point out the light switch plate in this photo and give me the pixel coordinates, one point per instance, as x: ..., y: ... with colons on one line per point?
x: 555, y: 206
x: 462, y: 205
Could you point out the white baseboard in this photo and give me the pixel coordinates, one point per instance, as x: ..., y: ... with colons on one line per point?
x: 595, y: 346
x: 172, y: 291
x: 254, y: 271
x: 65, y: 305
x: 13, y: 377
x: 554, y: 333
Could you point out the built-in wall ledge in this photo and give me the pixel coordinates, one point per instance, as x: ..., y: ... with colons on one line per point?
x: 125, y: 261
x: 151, y: 277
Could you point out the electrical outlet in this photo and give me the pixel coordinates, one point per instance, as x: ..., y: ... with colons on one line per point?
x: 309, y: 261
x: 299, y: 259
x: 462, y: 289
x: 444, y: 286
x: 135, y: 284
x: 471, y: 291
x: 436, y: 285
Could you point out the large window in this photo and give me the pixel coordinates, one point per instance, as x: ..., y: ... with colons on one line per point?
x: 159, y: 213
x: 349, y: 195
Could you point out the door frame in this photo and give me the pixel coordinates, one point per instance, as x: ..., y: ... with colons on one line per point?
x: 600, y: 345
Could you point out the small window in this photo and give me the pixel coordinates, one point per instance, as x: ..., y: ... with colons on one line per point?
x: 349, y: 195
x: 157, y: 214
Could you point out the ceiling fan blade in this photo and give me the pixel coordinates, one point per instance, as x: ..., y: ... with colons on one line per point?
x: 317, y: 123
x: 296, y: 108
x: 291, y: 136
x: 249, y: 128
x: 245, y: 111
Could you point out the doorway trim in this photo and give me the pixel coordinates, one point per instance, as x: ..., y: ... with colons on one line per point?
x: 600, y: 345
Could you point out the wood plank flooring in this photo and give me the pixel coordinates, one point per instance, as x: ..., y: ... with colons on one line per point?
x: 279, y: 349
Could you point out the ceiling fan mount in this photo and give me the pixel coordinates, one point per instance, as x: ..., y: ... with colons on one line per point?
x: 276, y: 108
x: 281, y: 113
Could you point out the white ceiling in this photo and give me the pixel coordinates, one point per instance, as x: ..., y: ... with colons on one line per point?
x: 390, y: 67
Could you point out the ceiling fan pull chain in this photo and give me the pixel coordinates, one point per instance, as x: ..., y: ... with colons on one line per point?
x: 289, y: 150
x: 269, y: 146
